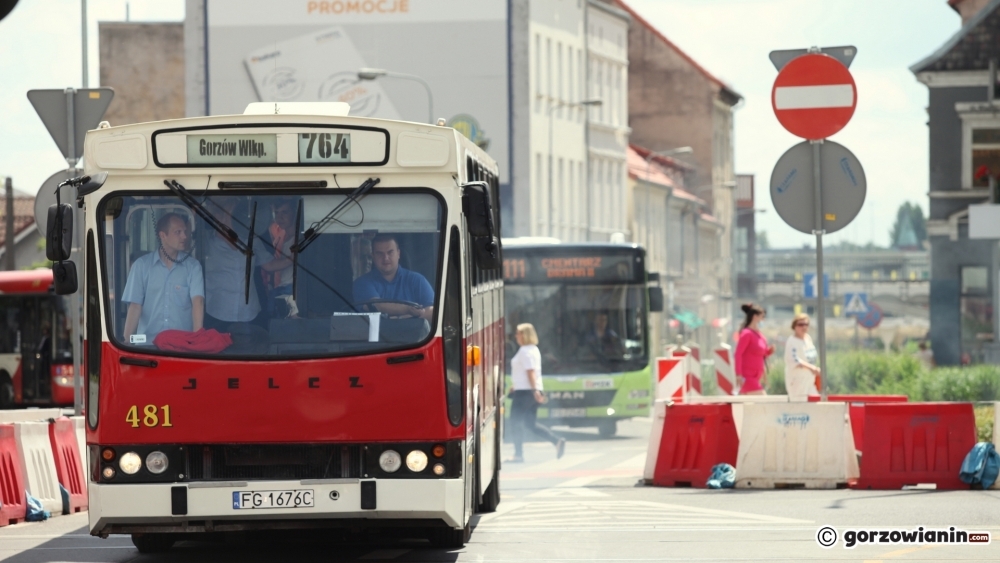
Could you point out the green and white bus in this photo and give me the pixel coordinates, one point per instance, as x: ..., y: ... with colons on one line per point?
x: 590, y: 304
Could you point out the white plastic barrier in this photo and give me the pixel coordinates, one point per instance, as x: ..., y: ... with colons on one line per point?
x: 796, y: 445
x: 655, y: 434
x: 28, y: 415
x: 38, y: 465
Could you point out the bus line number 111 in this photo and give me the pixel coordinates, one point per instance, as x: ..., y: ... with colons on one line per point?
x: 151, y: 416
x: 514, y: 269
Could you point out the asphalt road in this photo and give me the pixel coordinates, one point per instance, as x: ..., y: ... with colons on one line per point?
x: 589, y: 507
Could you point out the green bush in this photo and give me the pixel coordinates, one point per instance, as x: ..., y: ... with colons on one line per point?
x: 984, y: 423
x: 867, y: 372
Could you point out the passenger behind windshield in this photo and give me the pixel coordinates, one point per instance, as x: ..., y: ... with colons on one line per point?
x: 226, y: 271
x: 278, y: 272
x: 603, y: 341
x: 165, y: 289
x: 391, y: 282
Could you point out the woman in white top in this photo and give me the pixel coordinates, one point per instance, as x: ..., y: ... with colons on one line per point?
x: 800, y: 361
x: 526, y: 373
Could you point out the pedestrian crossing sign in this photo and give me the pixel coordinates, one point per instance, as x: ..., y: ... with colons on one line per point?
x: 855, y: 304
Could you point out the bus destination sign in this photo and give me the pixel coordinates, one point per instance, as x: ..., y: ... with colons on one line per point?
x: 269, y: 148
x: 232, y: 149
x: 588, y: 268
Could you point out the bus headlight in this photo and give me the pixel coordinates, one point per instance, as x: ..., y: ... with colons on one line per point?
x: 109, y: 472
x: 416, y: 461
x: 439, y: 469
x: 390, y: 461
x: 130, y: 463
x: 157, y: 462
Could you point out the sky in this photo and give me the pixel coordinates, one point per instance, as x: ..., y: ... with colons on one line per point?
x: 888, y: 133
x: 40, y: 47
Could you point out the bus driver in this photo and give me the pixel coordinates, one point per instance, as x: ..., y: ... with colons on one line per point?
x: 165, y: 289
x: 389, y: 280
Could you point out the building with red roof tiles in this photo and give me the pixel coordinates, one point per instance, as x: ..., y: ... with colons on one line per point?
x: 675, y: 102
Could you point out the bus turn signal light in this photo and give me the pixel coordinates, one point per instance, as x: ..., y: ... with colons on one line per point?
x: 108, y: 454
x: 438, y: 450
x: 473, y: 356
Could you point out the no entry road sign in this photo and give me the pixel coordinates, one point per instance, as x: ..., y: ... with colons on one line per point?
x: 814, y: 96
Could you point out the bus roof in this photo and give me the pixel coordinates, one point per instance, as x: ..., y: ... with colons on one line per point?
x: 382, y: 144
x: 26, y: 281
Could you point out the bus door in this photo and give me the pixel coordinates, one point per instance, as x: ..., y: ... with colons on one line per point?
x: 35, y: 323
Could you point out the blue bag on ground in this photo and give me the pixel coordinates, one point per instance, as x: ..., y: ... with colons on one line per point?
x: 981, y: 466
x: 723, y: 477
x: 35, y: 512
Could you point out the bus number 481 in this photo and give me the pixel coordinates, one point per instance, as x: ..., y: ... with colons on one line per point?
x: 151, y: 416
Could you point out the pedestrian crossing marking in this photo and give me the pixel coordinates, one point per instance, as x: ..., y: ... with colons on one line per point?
x: 596, y: 514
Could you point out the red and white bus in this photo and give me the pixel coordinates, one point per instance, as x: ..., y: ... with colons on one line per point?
x: 36, y: 354
x: 318, y: 401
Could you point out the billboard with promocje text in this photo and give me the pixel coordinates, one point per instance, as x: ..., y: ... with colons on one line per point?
x: 312, y: 51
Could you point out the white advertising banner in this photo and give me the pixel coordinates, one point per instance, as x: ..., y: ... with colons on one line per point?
x: 312, y: 50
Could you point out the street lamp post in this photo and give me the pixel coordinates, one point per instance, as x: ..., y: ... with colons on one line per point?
x: 552, y: 159
x: 375, y: 73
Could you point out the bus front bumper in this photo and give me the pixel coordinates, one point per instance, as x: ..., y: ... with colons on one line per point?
x: 141, y: 508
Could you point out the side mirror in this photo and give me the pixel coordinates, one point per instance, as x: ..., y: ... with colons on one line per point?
x: 656, y: 299
x: 478, y: 208
x: 59, y: 238
x: 486, y: 251
x: 64, y: 279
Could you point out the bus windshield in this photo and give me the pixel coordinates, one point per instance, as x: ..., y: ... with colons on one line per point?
x: 368, y: 282
x: 582, y: 329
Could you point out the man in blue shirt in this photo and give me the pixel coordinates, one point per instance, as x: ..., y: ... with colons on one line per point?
x: 388, y: 280
x: 165, y: 289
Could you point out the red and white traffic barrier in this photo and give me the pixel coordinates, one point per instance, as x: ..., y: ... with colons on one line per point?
x: 69, y: 464
x: 12, y: 500
x: 725, y: 375
x: 692, y: 377
x: 670, y: 375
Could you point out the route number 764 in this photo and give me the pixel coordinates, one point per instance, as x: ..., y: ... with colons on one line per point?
x: 151, y: 416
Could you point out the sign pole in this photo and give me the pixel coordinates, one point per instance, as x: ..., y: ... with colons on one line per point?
x: 820, y: 285
x: 76, y: 332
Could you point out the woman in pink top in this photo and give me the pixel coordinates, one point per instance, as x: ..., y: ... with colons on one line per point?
x: 750, y: 353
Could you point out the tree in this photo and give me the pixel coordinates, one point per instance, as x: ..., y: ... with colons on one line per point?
x: 762, y: 242
x: 910, y: 228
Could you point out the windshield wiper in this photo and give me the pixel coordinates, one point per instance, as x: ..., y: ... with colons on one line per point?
x: 246, y: 276
x: 316, y: 228
x: 189, y: 200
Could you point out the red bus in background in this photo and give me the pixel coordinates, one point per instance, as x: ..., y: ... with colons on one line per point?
x: 323, y: 404
x: 36, y: 354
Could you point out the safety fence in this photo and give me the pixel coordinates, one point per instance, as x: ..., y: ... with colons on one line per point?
x: 41, y: 456
x: 857, y: 441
